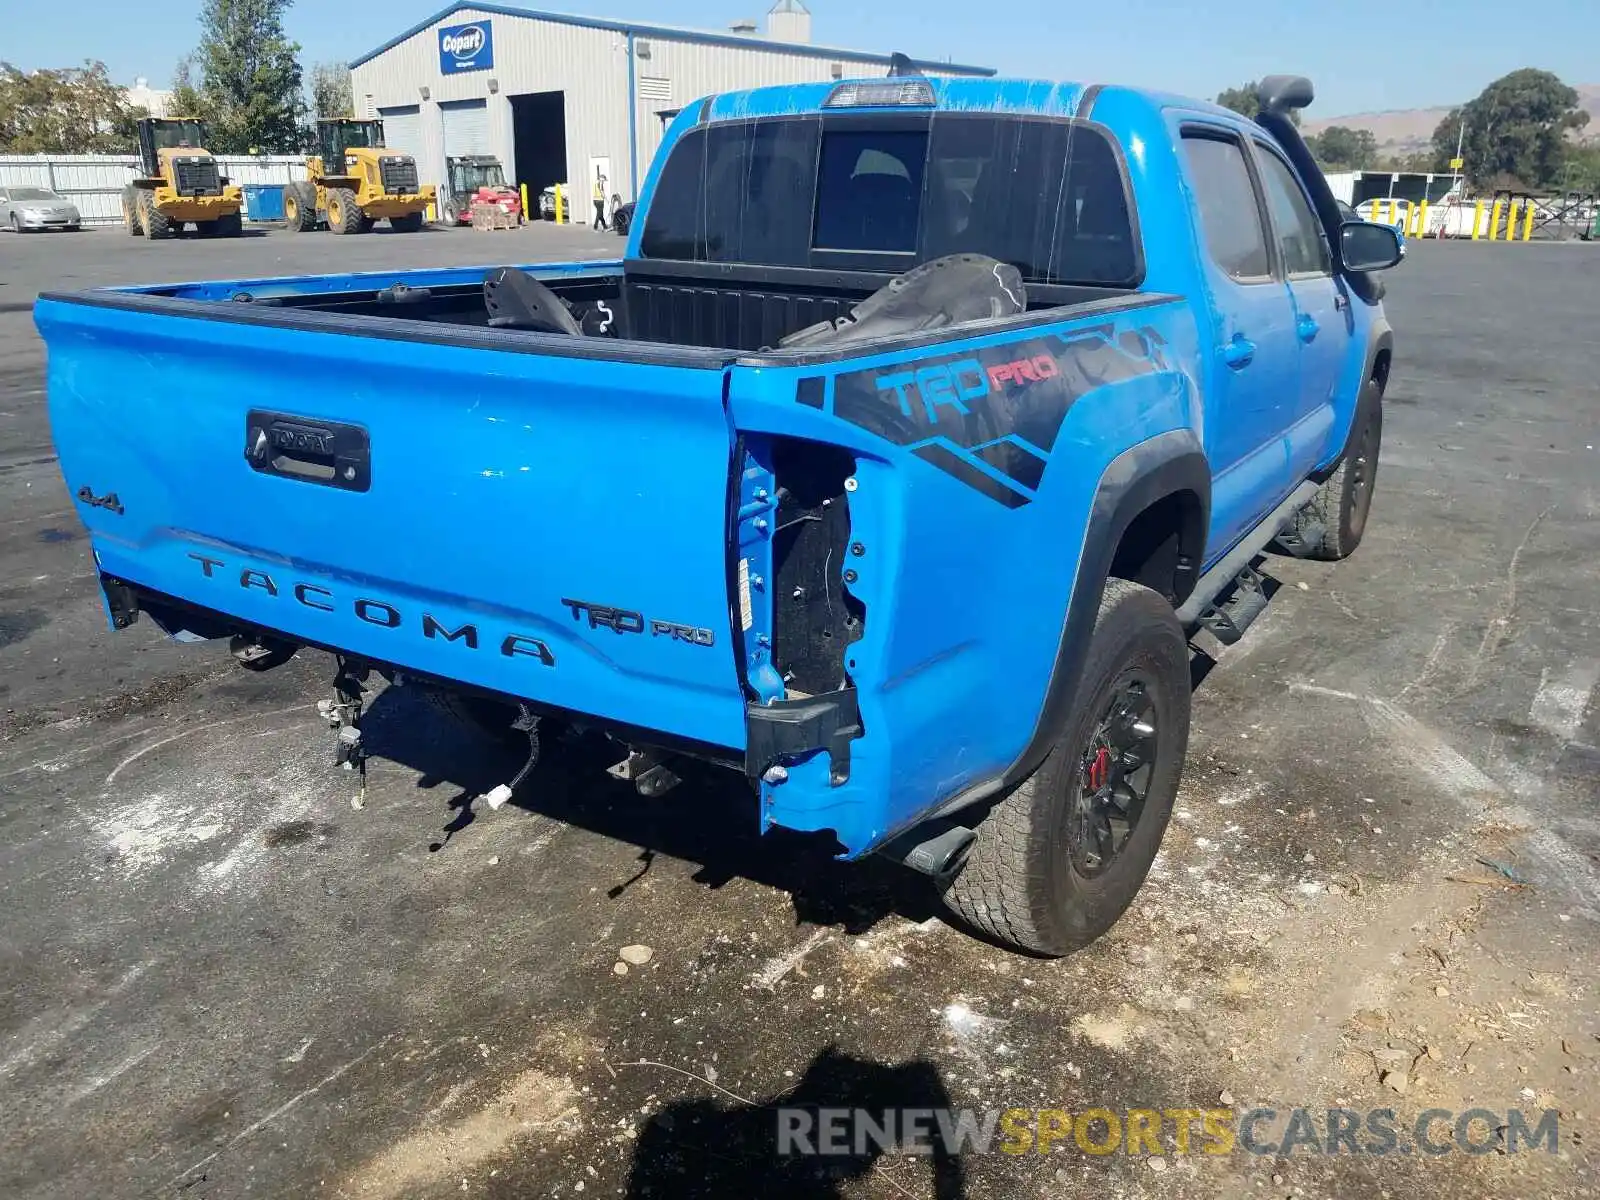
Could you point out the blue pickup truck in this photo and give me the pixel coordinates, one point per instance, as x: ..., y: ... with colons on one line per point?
x: 920, y: 425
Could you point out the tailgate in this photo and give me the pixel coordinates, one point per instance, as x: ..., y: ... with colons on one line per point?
x: 481, y: 505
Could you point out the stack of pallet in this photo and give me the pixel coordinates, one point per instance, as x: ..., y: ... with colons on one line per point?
x: 492, y: 216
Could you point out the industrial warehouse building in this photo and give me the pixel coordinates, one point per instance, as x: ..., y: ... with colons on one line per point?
x: 561, y: 99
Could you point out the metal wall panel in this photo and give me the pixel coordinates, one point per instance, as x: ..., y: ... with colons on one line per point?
x: 588, y: 65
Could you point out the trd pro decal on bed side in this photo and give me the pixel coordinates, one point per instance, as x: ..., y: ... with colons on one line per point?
x: 999, y: 407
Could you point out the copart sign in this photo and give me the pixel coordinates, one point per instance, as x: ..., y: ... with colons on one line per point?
x: 466, y: 48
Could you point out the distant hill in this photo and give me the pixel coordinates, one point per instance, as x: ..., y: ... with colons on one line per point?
x: 1409, y: 130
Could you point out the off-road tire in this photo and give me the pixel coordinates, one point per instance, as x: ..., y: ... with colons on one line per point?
x: 406, y: 223
x: 157, y: 225
x: 449, y: 214
x: 1344, y: 503
x: 344, y: 216
x: 206, y: 229
x: 130, y: 212
x: 230, y: 225
x: 1018, y: 883
x: 300, y: 206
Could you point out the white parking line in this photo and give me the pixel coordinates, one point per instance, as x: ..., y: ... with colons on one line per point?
x: 1559, y: 704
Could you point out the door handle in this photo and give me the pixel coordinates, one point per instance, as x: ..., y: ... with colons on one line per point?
x: 1239, y: 351
x: 1307, y: 328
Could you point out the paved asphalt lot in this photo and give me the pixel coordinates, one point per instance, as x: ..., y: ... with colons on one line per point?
x: 219, y: 979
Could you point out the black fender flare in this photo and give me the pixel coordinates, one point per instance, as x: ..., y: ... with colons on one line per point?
x: 1137, y: 478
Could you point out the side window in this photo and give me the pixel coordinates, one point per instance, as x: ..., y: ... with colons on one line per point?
x: 1305, y: 250
x: 1229, y: 217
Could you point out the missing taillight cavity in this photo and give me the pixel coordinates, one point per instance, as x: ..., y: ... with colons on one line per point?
x: 815, y: 618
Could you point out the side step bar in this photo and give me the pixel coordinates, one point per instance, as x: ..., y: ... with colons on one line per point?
x: 1230, y: 619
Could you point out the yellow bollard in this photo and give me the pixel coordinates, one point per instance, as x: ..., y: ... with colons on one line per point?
x: 1511, y: 220
x: 1477, y: 220
x: 1390, y: 221
x: 1527, y: 225
x: 561, y: 209
x: 1494, y: 221
x: 524, y: 189
x: 1422, y: 221
x: 432, y: 216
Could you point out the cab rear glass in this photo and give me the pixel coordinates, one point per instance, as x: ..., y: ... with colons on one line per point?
x: 882, y: 192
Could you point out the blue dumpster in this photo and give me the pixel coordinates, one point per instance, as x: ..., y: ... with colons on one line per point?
x: 263, y: 201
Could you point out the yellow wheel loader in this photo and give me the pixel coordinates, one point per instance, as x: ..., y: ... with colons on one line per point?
x: 354, y: 183
x: 177, y: 183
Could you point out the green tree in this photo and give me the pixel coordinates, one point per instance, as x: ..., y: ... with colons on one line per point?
x: 71, y: 110
x: 1342, y: 148
x: 1516, y: 129
x: 330, y: 91
x: 1242, y: 100
x: 250, y: 85
x: 1581, y: 171
x: 186, y: 98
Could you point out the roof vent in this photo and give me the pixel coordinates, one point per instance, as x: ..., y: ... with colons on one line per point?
x: 744, y: 27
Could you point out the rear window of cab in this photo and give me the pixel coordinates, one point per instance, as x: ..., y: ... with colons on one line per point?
x: 882, y: 192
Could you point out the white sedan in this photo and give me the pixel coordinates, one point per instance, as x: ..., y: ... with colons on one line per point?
x: 34, y: 208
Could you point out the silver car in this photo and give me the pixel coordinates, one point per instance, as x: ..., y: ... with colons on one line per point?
x: 34, y: 208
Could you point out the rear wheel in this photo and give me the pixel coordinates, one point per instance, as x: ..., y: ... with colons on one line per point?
x: 130, y: 211
x: 206, y: 229
x: 1345, y: 501
x: 300, y: 206
x: 406, y: 223
x: 344, y: 215
x: 1059, y: 859
x: 156, y: 223
x: 230, y: 225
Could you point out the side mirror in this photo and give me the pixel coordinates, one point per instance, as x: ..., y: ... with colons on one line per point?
x: 1366, y: 246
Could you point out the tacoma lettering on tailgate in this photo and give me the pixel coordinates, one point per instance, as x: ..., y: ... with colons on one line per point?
x: 374, y: 612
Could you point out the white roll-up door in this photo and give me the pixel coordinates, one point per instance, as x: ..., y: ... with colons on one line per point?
x: 402, y: 129
x: 466, y: 127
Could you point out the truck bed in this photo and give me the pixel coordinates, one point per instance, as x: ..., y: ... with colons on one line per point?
x: 705, y: 306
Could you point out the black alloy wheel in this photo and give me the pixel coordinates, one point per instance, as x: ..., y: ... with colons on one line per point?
x: 1114, y: 776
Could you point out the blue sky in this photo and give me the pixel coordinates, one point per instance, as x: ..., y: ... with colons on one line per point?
x: 1412, y: 53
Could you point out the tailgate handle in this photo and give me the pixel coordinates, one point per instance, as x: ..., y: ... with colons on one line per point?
x: 309, y: 450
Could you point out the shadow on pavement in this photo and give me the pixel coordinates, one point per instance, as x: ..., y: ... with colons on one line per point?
x: 721, y: 1148
x: 711, y: 818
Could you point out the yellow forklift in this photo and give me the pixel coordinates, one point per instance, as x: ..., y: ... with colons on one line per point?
x: 178, y: 182
x: 354, y: 184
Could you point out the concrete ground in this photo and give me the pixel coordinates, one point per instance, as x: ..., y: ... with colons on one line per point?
x: 219, y: 979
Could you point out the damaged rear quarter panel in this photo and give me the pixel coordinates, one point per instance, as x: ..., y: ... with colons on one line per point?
x: 977, y: 459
